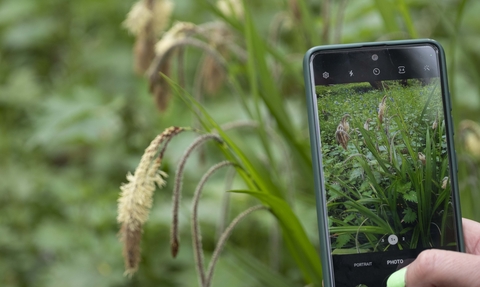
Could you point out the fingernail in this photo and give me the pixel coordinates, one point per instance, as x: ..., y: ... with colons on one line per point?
x: 397, y: 279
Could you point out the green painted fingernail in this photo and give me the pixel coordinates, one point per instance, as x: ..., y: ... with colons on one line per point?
x: 397, y: 279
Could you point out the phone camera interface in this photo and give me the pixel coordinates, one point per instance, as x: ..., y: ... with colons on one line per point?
x: 385, y: 160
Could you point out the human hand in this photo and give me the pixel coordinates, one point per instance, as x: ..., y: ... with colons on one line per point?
x: 437, y: 268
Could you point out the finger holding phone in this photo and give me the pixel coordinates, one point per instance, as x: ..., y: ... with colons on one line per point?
x: 445, y: 268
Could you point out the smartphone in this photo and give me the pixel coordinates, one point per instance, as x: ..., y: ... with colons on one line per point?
x: 383, y: 157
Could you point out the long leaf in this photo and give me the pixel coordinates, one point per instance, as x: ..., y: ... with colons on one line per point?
x: 232, y: 152
x: 268, y: 90
x: 295, y: 236
x: 362, y: 229
x: 402, y: 6
x: 387, y: 11
x: 255, y: 268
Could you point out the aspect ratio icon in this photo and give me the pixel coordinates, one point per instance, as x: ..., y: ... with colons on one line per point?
x: 376, y: 71
x: 401, y: 69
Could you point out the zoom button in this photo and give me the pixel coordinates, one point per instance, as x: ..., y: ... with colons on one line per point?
x: 393, y: 239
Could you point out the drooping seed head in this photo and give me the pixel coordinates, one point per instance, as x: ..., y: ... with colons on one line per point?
x: 366, y: 125
x: 231, y: 8
x: 344, y: 123
x: 148, y: 12
x: 136, y: 195
x: 422, y: 158
x: 444, y: 182
x: 342, y: 137
x: 381, y: 109
x: 434, y: 124
x: 179, y: 30
x: 147, y: 20
x: 470, y: 137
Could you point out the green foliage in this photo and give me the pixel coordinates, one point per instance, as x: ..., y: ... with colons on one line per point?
x: 389, y: 170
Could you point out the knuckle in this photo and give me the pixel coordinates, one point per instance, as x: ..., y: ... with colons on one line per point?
x: 425, y: 263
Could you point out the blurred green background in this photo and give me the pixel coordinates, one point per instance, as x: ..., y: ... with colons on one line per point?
x: 74, y: 118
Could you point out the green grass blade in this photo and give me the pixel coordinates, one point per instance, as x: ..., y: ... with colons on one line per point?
x: 232, y: 152
x: 360, y: 229
x: 307, y: 24
x: 295, y: 237
x: 402, y: 6
x: 387, y: 11
x: 257, y: 269
x: 370, y: 215
x: 267, y: 88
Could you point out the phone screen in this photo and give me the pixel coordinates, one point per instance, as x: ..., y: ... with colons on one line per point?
x: 385, y: 159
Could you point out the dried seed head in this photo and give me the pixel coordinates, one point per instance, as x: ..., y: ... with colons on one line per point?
x: 344, y: 123
x: 144, y: 53
x: 366, y: 125
x: 445, y: 182
x: 212, y: 72
x: 138, y: 18
x: 136, y: 198
x: 231, y: 8
x: 213, y: 75
x: 435, y: 124
x: 472, y: 144
x: 148, y: 12
x: 179, y: 30
x: 341, y: 133
x: 159, y: 88
x: 295, y: 10
x: 422, y: 158
x: 470, y: 135
x: 381, y: 109
x: 162, y: 11
x: 341, y: 136
x: 146, y: 20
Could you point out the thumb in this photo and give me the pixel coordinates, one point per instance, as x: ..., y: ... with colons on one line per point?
x: 438, y: 268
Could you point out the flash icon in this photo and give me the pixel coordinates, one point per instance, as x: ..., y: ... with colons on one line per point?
x: 351, y: 73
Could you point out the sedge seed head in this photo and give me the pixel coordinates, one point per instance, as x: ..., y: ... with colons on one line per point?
x: 342, y: 137
x: 445, y: 182
x: 422, y: 158
x: 179, y: 30
x: 148, y: 12
x: 366, y: 125
x: 136, y: 195
x: 231, y: 8
x: 381, y: 109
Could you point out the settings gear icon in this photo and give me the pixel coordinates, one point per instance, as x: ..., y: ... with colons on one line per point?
x: 326, y: 75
